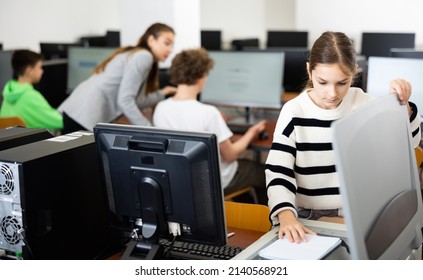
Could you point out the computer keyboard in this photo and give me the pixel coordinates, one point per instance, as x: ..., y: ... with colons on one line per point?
x: 238, y: 129
x: 196, y: 251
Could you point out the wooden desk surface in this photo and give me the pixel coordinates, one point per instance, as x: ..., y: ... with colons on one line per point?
x: 243, y: 237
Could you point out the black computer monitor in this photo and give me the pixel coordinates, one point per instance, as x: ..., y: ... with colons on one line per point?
x: 112, y: 38
x: 295, y: 70
x: 53, y: 83
x: 158, y: 176
x: 290, y: 39
x: 247, y: 79
x: 379, y: 184
x: 56, y: 50
x: 380, y: 44
x: 211, y: 39
x: 406, y: 53
x: 6, y: 70
x: 241, y: 44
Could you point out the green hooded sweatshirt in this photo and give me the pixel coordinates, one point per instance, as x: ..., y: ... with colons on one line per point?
x: 21, y: 99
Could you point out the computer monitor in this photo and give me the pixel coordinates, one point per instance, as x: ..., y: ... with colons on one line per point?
x: 53, y: 83
x: 6, y: 70
x: 295, y: 70
x: 380, y: 44
x: 112, y: 39
x: 382, y: 70
x: 155, y: 176
x: 245, y: 79
x: 241, y: 44
x: 379, y: 183
x: 211, y: 39
x: 289, y: 39
x: 406, y: 53
x: 81, y: 62
x: 56, y: 50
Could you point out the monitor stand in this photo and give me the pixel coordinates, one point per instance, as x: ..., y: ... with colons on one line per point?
x: 142, y: 250
x: 246, y: 121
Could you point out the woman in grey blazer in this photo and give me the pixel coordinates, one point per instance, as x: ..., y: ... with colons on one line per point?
x: 124, y: 84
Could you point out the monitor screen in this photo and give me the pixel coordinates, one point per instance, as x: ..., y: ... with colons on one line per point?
x: 242, y: 44
x: 81, y: 62
x: 379, y: 181
x: 382, y: 70
x: 211, y: 39
x: 380, y: 44
x: 6, y: 70
x: 247, y: 78
x: 289, y: 39
x: 56, y: 50
x: 53, y: 81
x: 295, y: 70
x: 112, y: 38
x: 158, y: 176
x: 406, y: 53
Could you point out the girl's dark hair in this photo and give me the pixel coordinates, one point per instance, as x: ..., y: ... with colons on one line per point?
x: 333, y: 48
x: 190, y: 65
x: 154, y: 30
x: 21, y: 59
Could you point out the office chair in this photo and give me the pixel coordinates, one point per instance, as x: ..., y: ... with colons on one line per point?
x: 247, y: 216
x: 11, y: 121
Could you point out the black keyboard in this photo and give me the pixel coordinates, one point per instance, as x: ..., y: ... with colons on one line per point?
x: 196, y: 251
x: 238, y: 129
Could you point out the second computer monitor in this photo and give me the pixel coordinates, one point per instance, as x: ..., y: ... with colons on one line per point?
x: 289, y: 39
x: 247, y: 78
x: 406, y: 53
x: 81, y: 63
x: 380, y: 44
x: 211, y: 39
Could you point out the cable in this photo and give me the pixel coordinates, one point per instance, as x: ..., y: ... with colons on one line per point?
x: 168, y: 250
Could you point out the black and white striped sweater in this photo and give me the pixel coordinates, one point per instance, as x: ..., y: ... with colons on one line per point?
x: 300, y: 168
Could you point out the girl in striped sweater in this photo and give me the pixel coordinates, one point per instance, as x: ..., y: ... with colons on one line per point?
x: 300, y: 170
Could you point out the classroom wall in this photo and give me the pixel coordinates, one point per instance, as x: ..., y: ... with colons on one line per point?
x: 66, y: 20
x: 24, y: 23
x: 355, y: 17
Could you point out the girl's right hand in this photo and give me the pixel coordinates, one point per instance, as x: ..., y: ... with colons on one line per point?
x: 291, y: 228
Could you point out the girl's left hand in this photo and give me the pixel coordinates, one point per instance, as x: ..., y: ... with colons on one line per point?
x: 402, y: 88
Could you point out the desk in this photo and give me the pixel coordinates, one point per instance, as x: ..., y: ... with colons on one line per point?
x: 242, y: 238
x: 320, y: 227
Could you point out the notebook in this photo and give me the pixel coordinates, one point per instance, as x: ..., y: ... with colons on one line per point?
x: 317, y: 247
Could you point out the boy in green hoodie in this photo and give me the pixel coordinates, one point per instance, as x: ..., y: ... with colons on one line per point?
x: 21, y: 99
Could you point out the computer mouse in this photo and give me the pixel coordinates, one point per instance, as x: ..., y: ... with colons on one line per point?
x: 263, y: 135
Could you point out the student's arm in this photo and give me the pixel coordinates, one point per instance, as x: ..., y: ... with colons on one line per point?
x: 230, y: 151
x: 291, y: 228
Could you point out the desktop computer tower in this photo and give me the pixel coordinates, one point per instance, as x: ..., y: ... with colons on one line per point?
x: 52, y: 202
x: 16, y: 136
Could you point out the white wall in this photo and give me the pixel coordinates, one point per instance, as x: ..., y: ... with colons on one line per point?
x: 24, y: 23
x: 182, y: 16
x: 355, y: 17
x: 240, y: 19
